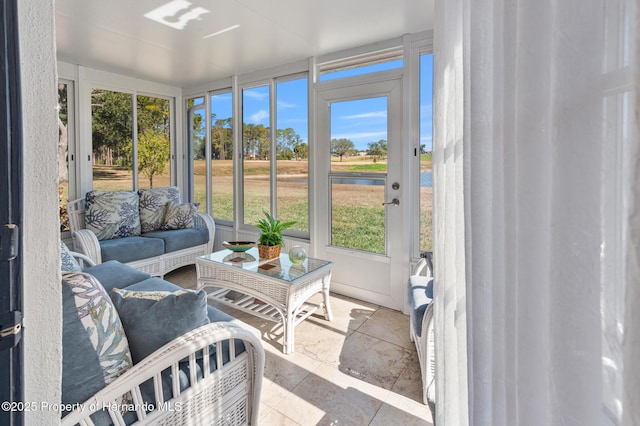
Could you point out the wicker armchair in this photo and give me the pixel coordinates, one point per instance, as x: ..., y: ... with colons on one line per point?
x: 421, y: 324
x: 230, y: 395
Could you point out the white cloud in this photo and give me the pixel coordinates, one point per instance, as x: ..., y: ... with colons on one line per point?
x: 426, y: 109
x: 256, y: 94
x: 221, y: 97
x: 375, y: 114
x: 283, y: 104
x: 362, y: 135
x: 259, y: 116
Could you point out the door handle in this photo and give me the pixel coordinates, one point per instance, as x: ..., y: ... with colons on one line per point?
x: 394, y: 202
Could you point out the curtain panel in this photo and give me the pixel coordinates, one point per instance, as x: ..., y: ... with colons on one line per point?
x: 536, y: 212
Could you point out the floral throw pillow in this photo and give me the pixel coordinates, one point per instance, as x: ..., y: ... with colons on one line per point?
x: 112, y: 214
x: 152, y: 206
x: 69, y: 263
x: 102, y: 324
x: 179, y: 216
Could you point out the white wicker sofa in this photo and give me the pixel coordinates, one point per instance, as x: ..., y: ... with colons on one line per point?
x: 207, y: 375
x: 421, y: 324
x: 153, y: 250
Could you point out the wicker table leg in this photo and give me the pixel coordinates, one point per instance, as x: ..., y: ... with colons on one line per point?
x: 328, y: 315
x: 289, y: 327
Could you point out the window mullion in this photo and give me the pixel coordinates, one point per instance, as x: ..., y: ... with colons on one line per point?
x: 273, y: 154
x: 207, y: 149
x: 134, y: 139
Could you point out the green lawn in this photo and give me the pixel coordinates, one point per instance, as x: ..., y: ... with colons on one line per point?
x: 357, y: 220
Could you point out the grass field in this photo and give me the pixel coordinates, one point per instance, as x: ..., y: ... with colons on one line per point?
x: 357, y: 212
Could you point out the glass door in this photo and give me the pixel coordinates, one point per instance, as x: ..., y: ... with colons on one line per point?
x: 360, y: 158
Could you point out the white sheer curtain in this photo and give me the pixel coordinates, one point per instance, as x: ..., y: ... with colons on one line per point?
x: 537, y: 212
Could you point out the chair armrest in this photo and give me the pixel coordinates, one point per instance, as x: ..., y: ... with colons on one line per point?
x: 192, y: 402
x: 75, y: 213
x: 82, y: 258
x: 205, y: 220
x: 426, y: 260
x: 420, y: 267
x: 429, y: 354
x: 86, y: 242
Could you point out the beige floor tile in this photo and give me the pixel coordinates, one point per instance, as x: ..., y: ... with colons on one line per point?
x: 320, y: 340
x: 350, y: 312
x: 337, y: 375
x: 373, y: 360
x: 329, y: 397
x: 398, y: 409
x: 409, y: 384
x: 283, y: 373
x: 390, y: 415
x: 264, y: 410
x: 390, y: 326
x: 276, y: 418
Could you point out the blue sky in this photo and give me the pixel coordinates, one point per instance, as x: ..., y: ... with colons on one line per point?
x: 361, y: 121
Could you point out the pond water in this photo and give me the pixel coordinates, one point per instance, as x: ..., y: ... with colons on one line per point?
x: 426, y: 180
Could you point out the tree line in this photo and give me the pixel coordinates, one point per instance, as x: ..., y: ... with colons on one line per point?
x: 343, y: 147
x: 256, y: 141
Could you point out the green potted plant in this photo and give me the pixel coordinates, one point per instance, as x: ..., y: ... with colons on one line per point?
x: 270, y: 240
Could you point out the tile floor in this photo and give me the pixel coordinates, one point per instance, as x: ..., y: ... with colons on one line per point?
x: 359, y: 369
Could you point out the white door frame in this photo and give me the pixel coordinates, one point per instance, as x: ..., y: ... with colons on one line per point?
x: 352, y: 268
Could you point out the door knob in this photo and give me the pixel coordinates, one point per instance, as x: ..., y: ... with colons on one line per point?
x: 394, y: 202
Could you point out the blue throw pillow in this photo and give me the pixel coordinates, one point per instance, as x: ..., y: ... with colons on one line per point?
x: 69, y: 263
x: 152, y: 319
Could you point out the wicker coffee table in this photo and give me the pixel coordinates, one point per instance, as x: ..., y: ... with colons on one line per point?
x: 275, y: 289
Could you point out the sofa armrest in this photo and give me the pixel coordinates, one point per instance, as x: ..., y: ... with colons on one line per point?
x: 203, y: 401
x: 86, y: 242
x: 205, y: 220
x: 85, y: 261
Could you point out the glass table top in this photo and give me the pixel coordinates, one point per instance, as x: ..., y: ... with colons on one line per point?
x: 281, y: 268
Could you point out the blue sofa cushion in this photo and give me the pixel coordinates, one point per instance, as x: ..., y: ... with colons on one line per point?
x: 152, y: 319
x: 153, y: 204
x: 113, y: 274
x: 131, y: 249
x: 179, y: 239
x: 420, y: 296
x: 153, y: 284
x: 112, y: 214
x: 95, y: 350
x: 69, y: 263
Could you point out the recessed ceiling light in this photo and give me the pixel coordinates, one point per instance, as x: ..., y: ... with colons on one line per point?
x: 233, y: 27
x: 176, y: 14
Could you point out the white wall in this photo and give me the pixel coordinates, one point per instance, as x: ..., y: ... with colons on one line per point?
x: 42, y: 296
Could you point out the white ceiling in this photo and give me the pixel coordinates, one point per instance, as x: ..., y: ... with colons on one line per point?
x: 116, y: 36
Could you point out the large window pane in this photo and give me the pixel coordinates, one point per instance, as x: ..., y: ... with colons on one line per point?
x: 256, y: 146
x: 154, y: 142
x: 112, y: 123
x: 222, y: 156
x: 358, y: 173
x: 358, y: 214
x: 197, y: 132
x: 426, y: 173
x: 359, y: 136
x: 292, y: 145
